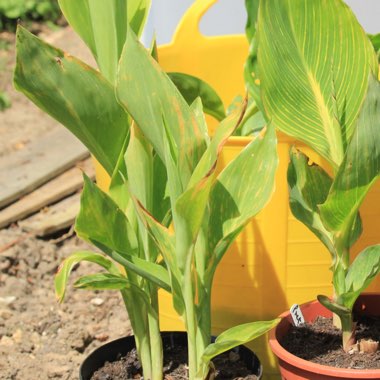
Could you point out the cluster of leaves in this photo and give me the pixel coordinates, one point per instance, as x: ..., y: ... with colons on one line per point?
x: 27, y: 10
x: 328, y: 96
x: 148, y: 131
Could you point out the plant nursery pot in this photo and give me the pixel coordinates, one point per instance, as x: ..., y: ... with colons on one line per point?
x: 266, y: 265
x: 113, y: 350
x: 295, y: 368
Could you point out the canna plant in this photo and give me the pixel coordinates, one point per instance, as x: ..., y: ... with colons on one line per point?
x: 169, y: 215
x: 318, y: 73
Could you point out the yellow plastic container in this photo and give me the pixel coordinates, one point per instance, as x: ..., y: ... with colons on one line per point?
x: 276, y: 261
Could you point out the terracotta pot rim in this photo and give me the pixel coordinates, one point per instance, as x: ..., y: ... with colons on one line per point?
x: 306, y: 365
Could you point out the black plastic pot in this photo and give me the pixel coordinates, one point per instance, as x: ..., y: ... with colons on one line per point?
x: 118, y: 348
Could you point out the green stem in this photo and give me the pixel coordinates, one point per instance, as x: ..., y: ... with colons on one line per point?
x: 190, y: 320
x: 348, y: 334
x: 155, y: 337
x: 137, y: 315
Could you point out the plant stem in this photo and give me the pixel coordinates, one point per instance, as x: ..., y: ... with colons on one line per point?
x: 155, y: 337
x: 190, y: 320
x: 348, y: 333
x: 137, y: 315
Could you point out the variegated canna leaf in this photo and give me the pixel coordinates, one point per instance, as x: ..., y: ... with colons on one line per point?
x: 359, y: 170
x: 142, y: 81
x: 50, y: 78
x: 103, y: 27
x: 314, y: 71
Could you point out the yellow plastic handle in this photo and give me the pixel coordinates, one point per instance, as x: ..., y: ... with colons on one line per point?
x: 188, y: 28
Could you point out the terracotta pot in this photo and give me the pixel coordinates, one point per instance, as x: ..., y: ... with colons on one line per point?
x: 120, y: 347
x: 294, y: 368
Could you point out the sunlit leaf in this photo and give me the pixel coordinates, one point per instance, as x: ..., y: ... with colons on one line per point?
x: 50, y: 78
x: 313, y: 83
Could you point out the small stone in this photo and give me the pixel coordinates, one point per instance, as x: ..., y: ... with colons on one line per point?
x: 97, y: 301
x: 102, y: 337
x: 7, y: 300
x: 17, y: 336
x: 5, y: 314
x: 6, y: 341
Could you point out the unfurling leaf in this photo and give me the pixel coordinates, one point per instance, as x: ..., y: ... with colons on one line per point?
x: 67, y: 266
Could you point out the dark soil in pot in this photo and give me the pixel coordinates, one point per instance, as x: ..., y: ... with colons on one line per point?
x: 320, y: 342
x: 240, y: 363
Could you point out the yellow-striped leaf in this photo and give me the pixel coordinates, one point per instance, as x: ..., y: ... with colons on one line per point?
x: 314, y: 61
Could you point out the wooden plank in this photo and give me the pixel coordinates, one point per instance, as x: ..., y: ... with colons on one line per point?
x: 23, y: 171
x: 54, y: 218
x: 54, y: 190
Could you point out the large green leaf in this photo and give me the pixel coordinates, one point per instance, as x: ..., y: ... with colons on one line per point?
x: 309, y: 186
x: 233, y: 202
x: 74, y: 94
x: 141, y: 81
x: 359, y: 170
x: 236, y: 336
x: 100, y: 220
x: 192, y: 87
x: 68, y: 264
x: 360, y: 274
x: 314, y: 60
x: 103, y: 27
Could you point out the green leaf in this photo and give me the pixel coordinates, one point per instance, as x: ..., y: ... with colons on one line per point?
x: 375, y: 40
x: 5, y: 101
x: 313, y: 83
x: 100, y: 220
x: 138, y: 11
x: 254, y: 124
x: 251, y: 67
x: 164, y: 240
x: 233, y: 205
x: 333, y: 306
x: 51, y: 79
x: 224, y: 130
x: 236, y: 336
x: 142, y: 81
x: 192, y: 87
x: 103, y: 27
x: 359, y: 170
x: 360, y: 274
x: 309, y: 186
x: 103, y: 281
x: 64, y: 270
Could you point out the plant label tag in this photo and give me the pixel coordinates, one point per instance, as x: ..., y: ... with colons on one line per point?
x: 297, y: 315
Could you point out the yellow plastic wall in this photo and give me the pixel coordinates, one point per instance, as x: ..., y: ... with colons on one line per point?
x: 276, y: 261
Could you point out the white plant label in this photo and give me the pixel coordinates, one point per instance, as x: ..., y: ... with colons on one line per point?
x: 297, y: 315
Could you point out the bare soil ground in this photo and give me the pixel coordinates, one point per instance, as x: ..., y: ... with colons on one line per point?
x: 40, y: 339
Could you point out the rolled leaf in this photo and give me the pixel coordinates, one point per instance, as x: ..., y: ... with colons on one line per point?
x: 65, y: 268
x: 50, y: 78
x: 359, y: 170
x: 192, y: 87
x: 313, y: 83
